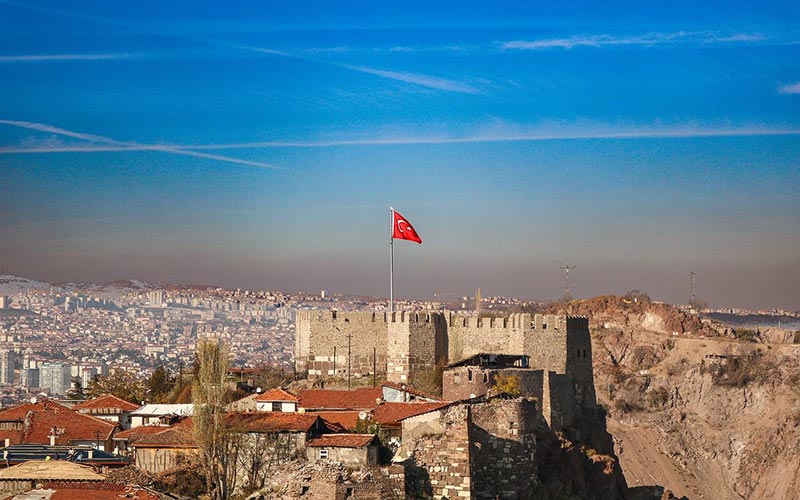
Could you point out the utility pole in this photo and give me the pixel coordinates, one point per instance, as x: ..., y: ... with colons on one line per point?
x: 478, y: 302
x: 567, y: 285
x: 349, y: 337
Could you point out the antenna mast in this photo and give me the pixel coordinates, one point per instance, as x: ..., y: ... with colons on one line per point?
x: 693, y: 296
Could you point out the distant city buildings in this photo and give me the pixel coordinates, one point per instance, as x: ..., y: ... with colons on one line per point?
x: 8, y: 359
x: 56, y: 378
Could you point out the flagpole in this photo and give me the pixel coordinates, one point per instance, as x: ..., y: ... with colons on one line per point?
x: 391, y: 261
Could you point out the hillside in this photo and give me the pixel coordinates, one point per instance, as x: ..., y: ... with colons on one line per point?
x: 704, y: 415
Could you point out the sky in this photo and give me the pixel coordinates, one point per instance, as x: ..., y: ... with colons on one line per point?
x: 261, y: 144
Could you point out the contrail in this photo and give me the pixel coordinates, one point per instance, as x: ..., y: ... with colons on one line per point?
x: 115, y: 145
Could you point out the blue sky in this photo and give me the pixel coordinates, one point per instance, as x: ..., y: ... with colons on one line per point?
x: 260, y: 145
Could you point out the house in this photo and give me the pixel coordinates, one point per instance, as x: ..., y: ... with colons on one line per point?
x: 390, y: 415
x: 277, y: 400
x: 123, y: 440
x: 100, y: 460
x: 404, y: 393
x: 360, y: 450
x: 27, y: 475
x: 363, y: 398
x: 160, y: 451
x: 94, y: 490
x: 154, y: 414
x: 48, y: 422
x: 108, y: 407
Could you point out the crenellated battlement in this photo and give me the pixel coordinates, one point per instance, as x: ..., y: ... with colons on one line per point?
x: 404, y: 343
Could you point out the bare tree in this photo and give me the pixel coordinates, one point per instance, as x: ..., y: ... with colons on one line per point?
x: 218, y: 445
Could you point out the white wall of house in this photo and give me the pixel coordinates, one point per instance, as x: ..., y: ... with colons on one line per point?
x: 283, y: 406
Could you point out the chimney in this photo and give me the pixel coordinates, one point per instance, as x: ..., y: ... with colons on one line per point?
x: 52, y: 440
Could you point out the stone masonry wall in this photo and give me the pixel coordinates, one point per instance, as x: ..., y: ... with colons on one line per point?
x: 318, y: 332
x: 415, y: 344
x: 439, y: 465
x: 503, y: 448
x: 456, y: 383
x: 402, y: 343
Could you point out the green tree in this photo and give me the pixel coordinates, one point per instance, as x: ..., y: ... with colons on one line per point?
x: 160, y: 385
x: 120, y: 383
x: 76, y: 391
x: 217, y: 443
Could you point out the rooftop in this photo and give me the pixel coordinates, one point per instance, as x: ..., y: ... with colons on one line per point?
x: 54, y: 470
x: 106, y: 401
x: 363, y: 398
x: 277, y: 394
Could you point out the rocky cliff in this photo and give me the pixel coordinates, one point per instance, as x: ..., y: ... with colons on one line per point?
x: 705, y: 416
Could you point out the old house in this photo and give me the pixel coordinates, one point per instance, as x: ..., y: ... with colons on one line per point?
x: 27, y: 475
x: 48, y: 422
x: 362, y: 398
x: 160, y: 414
x: 108, y: 407
x: 160, y: 451
x: 358, y: 450
x: 277, y: 400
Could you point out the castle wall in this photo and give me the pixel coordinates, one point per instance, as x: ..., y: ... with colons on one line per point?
x: 478, y: 450
x: 457, y: 383
x: 503, y: 448
x: 403, y: 343
x: 438, y: 446
x: 318, y: 332
x: 416, y: 341
x: 579, y: 356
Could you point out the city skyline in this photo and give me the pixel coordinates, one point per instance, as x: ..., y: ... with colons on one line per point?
x: 261, y: 147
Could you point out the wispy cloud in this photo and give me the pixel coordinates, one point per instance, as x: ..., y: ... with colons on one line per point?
x: 642, y: 40
x: 429, y: 81
x: 791, y: 88
x: 492, y: 132
x: 108, y: 144
x: 27, y: 58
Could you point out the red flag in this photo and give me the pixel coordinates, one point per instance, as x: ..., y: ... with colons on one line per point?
x: 403, y: 230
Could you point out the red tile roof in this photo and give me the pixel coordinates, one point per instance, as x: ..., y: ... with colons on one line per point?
x: 78, y: 490
x: 342, y: 441
x: 344, y: 419
x: 133, y: 435
x: 179, y: 435
x: 392, y: 413
x: 277, y: 395
x: 275, y: 421
x: 411, y: 390
x: 106, y: 401
x: 364, y: 398
x: 37, y: 420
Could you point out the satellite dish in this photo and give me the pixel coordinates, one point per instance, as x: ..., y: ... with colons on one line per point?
x: 301, y: 410
x: 362, y: 415
x: 33, y: 400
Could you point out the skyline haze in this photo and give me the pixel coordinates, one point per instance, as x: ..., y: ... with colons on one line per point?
x: 260, y: 146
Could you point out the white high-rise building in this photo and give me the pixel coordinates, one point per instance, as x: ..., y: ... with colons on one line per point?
x: 55, y: 377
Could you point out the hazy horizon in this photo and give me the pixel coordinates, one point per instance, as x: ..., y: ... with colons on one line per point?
x: 260, y: 146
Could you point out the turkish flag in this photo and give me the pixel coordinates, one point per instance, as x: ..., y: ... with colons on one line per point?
x: 403, y: 230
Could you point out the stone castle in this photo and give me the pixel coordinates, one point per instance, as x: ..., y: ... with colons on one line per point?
x: 403, y: 344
